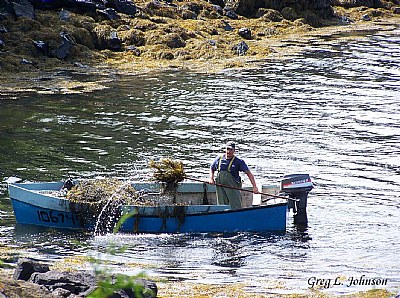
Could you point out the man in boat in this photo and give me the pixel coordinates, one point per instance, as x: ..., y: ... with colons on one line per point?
x: 228, y: 167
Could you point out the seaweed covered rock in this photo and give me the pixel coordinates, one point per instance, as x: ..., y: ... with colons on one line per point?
x: 35, y: 279
x: 106, y: 37
x: 58, y: 33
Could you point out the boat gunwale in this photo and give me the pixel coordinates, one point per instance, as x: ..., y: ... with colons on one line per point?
x: 64, y: 203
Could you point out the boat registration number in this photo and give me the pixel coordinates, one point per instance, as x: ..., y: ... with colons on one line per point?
x: 58, y: 217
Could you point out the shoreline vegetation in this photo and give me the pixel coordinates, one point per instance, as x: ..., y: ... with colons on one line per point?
x: 193, y: 35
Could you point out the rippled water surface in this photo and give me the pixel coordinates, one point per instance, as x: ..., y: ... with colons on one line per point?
x: 333, y: 112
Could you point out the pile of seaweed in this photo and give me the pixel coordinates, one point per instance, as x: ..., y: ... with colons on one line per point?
x: 169, y: 172
x: 101, y: 200
x: 98, y: 191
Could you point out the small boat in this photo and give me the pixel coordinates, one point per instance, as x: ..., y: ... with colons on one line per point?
x: 194, y: 210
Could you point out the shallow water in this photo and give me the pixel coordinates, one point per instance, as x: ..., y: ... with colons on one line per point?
x: 333, y: 112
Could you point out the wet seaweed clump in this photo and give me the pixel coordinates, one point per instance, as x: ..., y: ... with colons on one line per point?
x: 101, y: 201
x: 169, y: 173
x: 103, y: 190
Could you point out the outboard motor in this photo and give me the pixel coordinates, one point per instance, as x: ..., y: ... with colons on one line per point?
x: 297, y: 186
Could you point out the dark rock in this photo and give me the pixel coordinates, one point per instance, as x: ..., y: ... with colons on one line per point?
x: 191, y: 10
x: 20, y: 288
x: 218, y: 9
x: 82, y: 6
x: 396, y: 10
x: 167, y: 55
x: 42, y: 46
x: 74, y: 282
x: 230, y: 14
x: 220, y: 3
x: 188, y: 14
x: 154, y: 4
x: 45, y: 283
x: 214, y: 31
x: 192, y: 6
x: 241, y: 48
x: 366, y: 17
x: 64, y: 15
x: 289, y: 13
x: 80, y: 65
x: 212, y: 42
x: 226, y: 26
x: 345, y: 20
x: 245, y: 33
x: 23, y: 9
x: 25, y: 268
x: 67, y: 43
x: 133, y: 50
x: 4, y: 15
x: 106, y: 37
x: 114, y: 42
x: 124, y: 6
x: 109, y: 13
x: 28, y: 62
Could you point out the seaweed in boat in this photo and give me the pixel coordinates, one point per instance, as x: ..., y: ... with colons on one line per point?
x: 169, y: 173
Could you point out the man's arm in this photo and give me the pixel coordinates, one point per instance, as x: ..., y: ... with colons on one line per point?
x: 211, y: 179
x: 252, y: 180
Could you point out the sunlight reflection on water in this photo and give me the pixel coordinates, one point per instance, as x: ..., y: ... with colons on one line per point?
x: 334, y: 113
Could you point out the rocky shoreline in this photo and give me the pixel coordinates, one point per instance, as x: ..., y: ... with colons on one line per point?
x: 34, y: 279
x: 132, y: 36
x: 78, y: 284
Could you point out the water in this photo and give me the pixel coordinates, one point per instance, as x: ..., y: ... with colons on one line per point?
x: 333, y: 112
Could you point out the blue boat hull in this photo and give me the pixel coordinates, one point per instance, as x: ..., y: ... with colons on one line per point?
x: 254, y: 219
x: 34, y: 208
x: 29, y: 214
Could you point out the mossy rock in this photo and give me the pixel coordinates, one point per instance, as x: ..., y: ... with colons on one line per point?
x: 103, y: 36
x: 133, y: 37
x: 289, y: 13
x: 270, y: 15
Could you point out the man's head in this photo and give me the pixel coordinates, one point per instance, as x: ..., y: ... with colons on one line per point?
x: 230, y: 149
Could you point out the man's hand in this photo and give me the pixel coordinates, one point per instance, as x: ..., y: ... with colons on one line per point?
x: 255, y: 190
